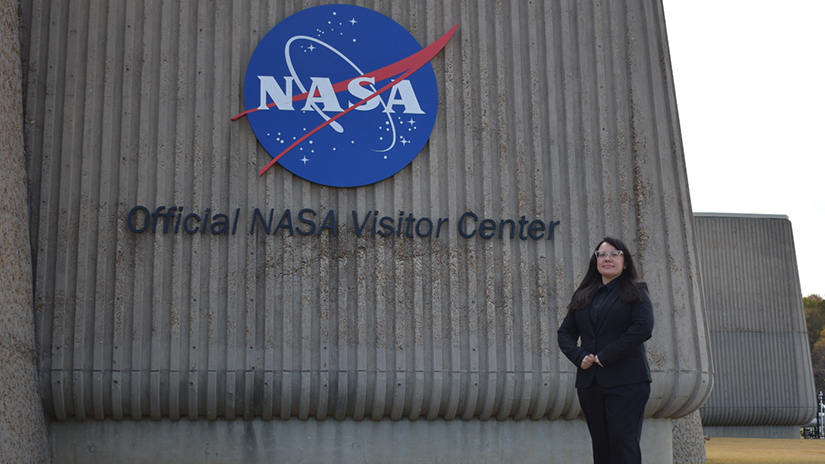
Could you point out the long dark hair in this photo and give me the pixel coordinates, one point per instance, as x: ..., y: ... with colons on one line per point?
x: 628, y: 290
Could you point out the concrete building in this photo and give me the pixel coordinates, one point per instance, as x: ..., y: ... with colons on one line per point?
x: 169, y: 327
x: 764, y: 385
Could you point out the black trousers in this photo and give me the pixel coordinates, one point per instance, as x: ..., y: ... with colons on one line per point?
x: 614, y: 417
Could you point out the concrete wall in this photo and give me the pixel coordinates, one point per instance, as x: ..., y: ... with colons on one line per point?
x: 761, y: 355
x: 689, y: 440
x: 23, y: 437
x: 559, y: 110
x: 369, y: 442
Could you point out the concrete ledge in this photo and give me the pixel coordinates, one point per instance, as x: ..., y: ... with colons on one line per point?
x: 473, y: 441
x: 753, y: 431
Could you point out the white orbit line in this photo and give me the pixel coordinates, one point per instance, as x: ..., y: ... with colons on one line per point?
x: 335, y: 125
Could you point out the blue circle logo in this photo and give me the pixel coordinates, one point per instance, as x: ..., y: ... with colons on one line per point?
x: 341, y: 95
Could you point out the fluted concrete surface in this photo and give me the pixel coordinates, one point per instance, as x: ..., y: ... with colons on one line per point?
x: 560, y: 110
x: 756, y: 321
x: 23, y: 434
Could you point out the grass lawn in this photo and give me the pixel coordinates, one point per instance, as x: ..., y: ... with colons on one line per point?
x: 764, y: 451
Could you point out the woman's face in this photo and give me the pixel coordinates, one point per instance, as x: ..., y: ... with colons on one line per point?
x: 609, y: 266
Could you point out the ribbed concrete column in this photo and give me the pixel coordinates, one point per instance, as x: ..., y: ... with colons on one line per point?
x: 554, y: 110
x: 765, y: 385
x: 23, y: 437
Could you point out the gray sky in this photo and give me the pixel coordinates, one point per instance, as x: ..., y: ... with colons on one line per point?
x: 749, y: 79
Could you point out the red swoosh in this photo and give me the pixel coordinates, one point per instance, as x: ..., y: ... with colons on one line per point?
x: 407, y: 66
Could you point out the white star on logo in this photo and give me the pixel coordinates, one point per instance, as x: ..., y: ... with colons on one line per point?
x: 353, y: 21
x: 311, y: 47
x: 305, y: 159
x: 405, y: 141
x: 412, y: 121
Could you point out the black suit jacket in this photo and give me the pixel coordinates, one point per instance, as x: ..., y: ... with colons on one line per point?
x: 618, y: 340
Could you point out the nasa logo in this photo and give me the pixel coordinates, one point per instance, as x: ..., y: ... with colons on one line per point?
x: 341, y: 95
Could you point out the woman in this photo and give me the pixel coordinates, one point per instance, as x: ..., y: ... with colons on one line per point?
x: 612, y: 314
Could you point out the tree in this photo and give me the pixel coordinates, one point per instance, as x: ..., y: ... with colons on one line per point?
x: 815, y: 318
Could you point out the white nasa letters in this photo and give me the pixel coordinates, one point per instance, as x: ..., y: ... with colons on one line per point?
x: 321, y: 92
x: 271, y: 88
x: 406, y: 96
x: 326, y: 95
x: 357, y: 90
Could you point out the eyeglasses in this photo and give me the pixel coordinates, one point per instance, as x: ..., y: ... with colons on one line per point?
x: 613, y: 254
